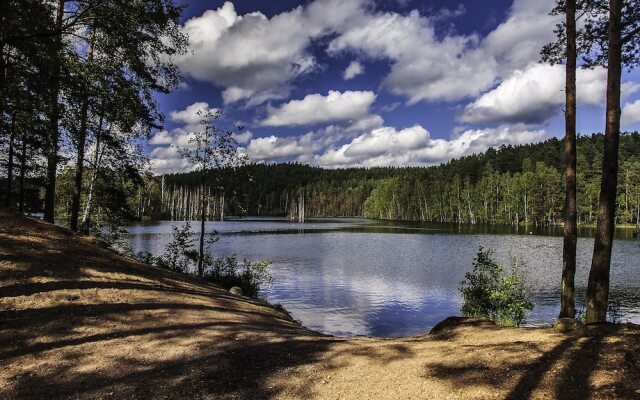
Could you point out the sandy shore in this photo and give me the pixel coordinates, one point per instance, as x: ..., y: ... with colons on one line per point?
x: 79, y: 321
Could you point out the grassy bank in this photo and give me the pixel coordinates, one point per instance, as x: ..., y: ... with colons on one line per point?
x: 80, y: 321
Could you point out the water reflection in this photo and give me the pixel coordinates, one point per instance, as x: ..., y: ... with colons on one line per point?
x: 378, y: 278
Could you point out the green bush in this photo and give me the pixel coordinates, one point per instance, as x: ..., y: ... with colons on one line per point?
x: 180, y: 255
x: 114, y: 234
x: 490, y: 291
x: 228, y: 272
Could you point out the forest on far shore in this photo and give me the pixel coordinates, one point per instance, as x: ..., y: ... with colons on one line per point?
x: 508, y: 185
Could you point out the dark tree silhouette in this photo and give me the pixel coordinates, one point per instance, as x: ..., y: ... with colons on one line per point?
x: 621, y: 47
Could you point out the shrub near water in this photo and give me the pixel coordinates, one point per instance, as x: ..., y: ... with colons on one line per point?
x: 492, y: 292
x: 229, y: 272
x: 181, y: 256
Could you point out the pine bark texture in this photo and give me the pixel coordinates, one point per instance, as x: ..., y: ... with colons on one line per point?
x: 567, y: 302
x: 598, y: 287
x: 54, y: 116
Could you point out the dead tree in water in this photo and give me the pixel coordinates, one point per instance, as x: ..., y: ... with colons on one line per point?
x: 222, y: 204
x: 301, y: 209
x: 297, y: 208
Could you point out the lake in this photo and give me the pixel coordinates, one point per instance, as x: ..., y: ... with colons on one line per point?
x: 349, y: 277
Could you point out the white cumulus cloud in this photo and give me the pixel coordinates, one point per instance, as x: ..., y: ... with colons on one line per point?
x: 630, y: 114
x: 427, y: 66
x: 167, y: 160
x: 414, y: 146
x: 535, y: 94
x: 353, y: 69
x: 243, y: 137
x: 273, y: 148
x: 253, y: 57
x: 190, y: 114
x: 160, y: 138
x: 316, y: 108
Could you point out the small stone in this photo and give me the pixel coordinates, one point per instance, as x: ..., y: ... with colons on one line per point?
x: 236, y: 290
x: 72, y: 297
x: 48, y: 272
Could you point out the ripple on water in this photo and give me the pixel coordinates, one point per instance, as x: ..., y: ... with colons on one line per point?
x: 346, y: 277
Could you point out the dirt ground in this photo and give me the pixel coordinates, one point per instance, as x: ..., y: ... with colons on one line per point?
x: 79, y: 321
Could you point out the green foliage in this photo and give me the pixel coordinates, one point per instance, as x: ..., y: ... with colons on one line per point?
x: 180, y: 255
x: 508, y: 185
x: 249, y: 276
x: 115, y: 236
x: 592, y: 34
x: 78, y: 75
x: 114, y: 203
x: 212, y: 149
x: 490, y: 291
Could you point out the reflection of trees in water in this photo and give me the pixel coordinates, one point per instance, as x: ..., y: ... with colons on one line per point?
x: 329, y: 267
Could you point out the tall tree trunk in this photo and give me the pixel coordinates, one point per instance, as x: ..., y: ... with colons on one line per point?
x: 12, y: 137
x: 202, y: 219
x: 3, y: 72
x: 222, y: 205
x: 23, y: 173
x: 86, y: 219
x: 472, y: 217
x: 3, y: 66
x: 54, y: 116
x: 301, y: 210
x: 80, y: 146
x: 208, y: 202
x: 526, y: 216
x: 162, y: 195
x: 567, y: 300
x: 598, y: 288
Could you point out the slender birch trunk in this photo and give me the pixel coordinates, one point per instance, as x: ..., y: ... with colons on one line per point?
x: 80, y: 147
x: 97, y: 158
x: 23, y: 168
x: 12, y: 137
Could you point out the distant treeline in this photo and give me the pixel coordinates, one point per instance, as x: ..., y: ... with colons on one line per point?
x: 508, y: 185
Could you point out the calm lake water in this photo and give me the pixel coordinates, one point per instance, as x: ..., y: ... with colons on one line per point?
x: 349, y: 277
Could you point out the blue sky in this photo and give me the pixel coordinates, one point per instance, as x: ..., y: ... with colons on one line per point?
x: 340, y: 83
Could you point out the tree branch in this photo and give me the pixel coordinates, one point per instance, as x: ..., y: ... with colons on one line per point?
x: 630, y: 35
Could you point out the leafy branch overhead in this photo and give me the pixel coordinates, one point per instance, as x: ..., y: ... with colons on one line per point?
x: 211, y: 147
x: 592, y: 17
